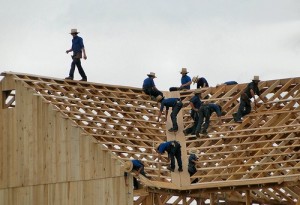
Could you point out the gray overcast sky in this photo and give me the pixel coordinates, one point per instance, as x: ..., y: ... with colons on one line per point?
x: 126, y: 39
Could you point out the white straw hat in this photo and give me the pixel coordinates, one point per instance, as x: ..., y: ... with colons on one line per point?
x: 74, y: 31
x: 256, y: 78
x: 194, y: 151
x: 128, y: 166
x: 195, y: 79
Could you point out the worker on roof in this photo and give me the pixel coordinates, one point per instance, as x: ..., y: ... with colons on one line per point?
x: 137, y: 167
x: 78, y: 49
x: 149, y: 87
x: 176, y: 105
x: 201, y: 82
x: 205, y: 112
x: 195, y: 103
x: 185, y: 81
x: 245, y: 100
x: 192, y: 163
x: 173, y: 148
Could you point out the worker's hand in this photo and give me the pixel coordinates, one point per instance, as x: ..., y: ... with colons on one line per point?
x: 67, y: 51
x: 84, y: 57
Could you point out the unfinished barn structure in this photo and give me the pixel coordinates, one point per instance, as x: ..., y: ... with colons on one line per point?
x: 64, y: 142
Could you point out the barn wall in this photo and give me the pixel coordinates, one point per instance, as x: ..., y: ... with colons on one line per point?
x: 46, y: 159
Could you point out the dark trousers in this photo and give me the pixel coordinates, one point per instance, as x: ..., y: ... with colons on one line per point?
x: 244, y: 108
x: 175, y: 152
x: 77, y: 62
x: 152, y: 92
x: 195, y: 117
x: 192, y: 170
x: 204, y: 113
x: 135, y: 181
x: 174, y: 113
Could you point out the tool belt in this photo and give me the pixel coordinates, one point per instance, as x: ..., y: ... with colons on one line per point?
x: 77, y: 55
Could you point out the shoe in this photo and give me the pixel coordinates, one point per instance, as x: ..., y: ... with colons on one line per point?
x: 173, y: 130
x: 170, y: 169
x: 84, y: 79
x: 185, y: 133
x: 204, y: 132
x: 234, y: 115
x: 69, y: 78
x: 180, y: 169
x: 197, y: 134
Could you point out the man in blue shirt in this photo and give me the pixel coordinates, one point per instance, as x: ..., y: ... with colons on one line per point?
x: 173, y: 148
x: 192, y: 163
x: 149, y: 87
x: 201, y: 82
x: 245, y: 99
x: 137, y: 167
x: 206, y: 111
x: 78, y: 49
x: 195, y: 104
x: 185, y: 81
x: 176, y: 105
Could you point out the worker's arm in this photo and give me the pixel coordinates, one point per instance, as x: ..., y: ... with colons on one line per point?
x: 67, y: 51
x: 84, y: 54
x: 193, y: 107
x: 138, y: 171
x: 158, y: 116
x: 186, y: 84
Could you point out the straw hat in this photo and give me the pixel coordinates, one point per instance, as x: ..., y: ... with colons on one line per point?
x: 194, y: 151
x: 74, y: 31
x: 256, y: 78
x: 151, y: 74
x: 195, y: 79
x: 183, y: 71
x: 159, y: 98
x: 128, y: 166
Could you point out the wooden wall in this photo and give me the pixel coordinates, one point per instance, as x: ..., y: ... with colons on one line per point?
x: 45, y: 159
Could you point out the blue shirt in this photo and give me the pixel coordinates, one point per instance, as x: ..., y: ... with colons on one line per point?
x: 137, y: 164
x: 196, y: 101
x: 192, y: 158
x: 230, y: 83
x: 185, y: 79
x: 163, y: 147
x: 169, y: 102
x: 214, y: 108
x: 148, y: 83
x: 201, y: 81
x: 77, y: 44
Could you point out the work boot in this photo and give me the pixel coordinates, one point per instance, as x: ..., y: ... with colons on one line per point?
x: 204, y: 132
x: 69, y: 78
x: 173, y: 130
x: 180, y: 169
x: 84, y: 79
x: 170, y: 169
x: 197, y: 134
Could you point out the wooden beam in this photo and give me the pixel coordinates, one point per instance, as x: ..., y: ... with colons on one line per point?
x: 248, y: 197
